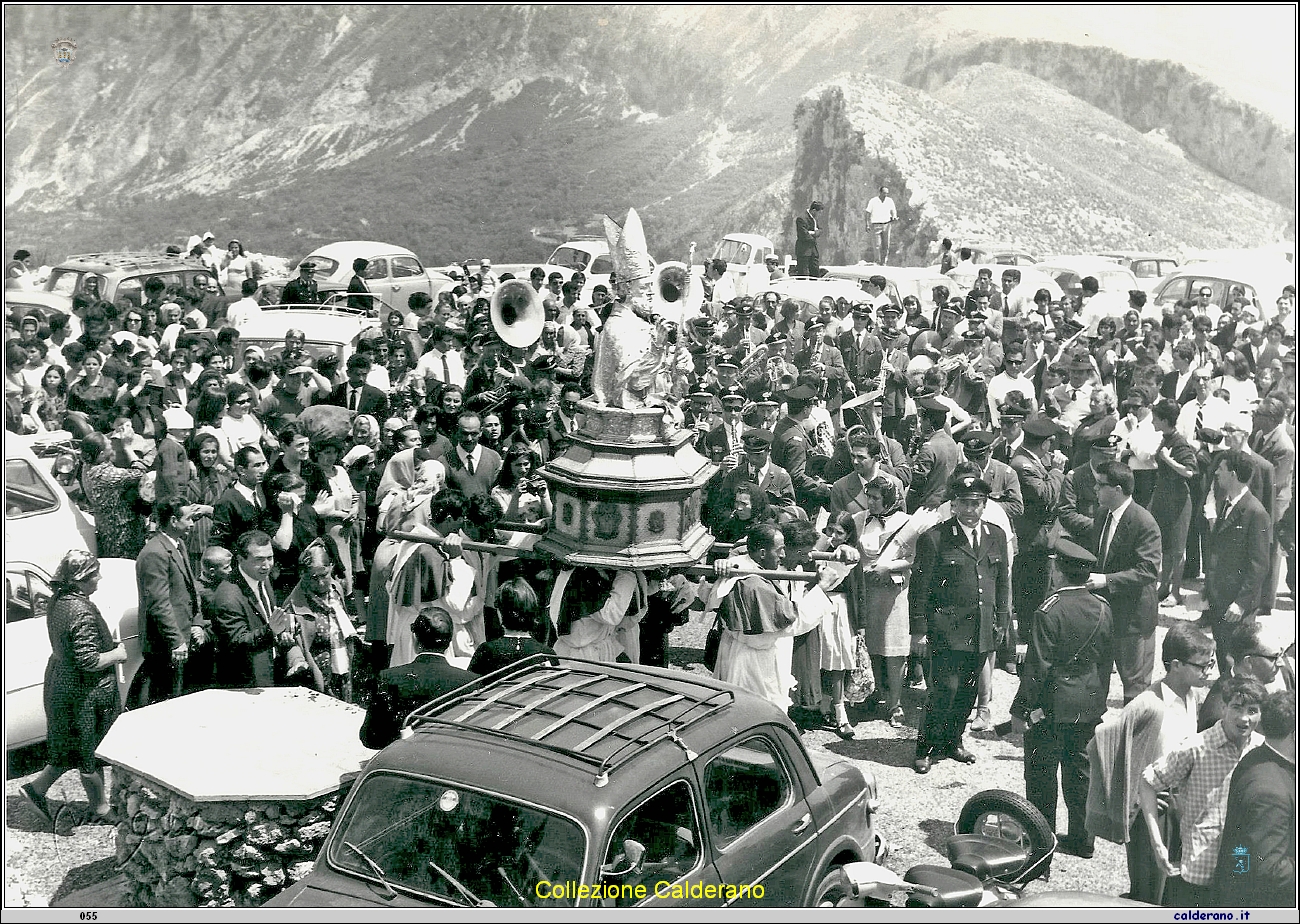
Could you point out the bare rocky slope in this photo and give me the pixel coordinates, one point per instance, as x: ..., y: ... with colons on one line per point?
x: 465, y: 130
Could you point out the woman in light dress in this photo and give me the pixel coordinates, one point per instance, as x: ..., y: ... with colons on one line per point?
x: 888, y: 549
x: 236, y: 266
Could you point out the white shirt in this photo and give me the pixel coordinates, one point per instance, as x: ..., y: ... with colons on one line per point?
x: 1214, y: 412
x: 724, y: 290
x: 1143, y: 438
x: 1002, y: 385
x: 469, y: 459
x: 430, y: 367
x: 377, y: 377
x: 881, y: 210
x: 241, y: 312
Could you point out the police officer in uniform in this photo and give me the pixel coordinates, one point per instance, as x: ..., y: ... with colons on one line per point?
x: 1062, y: 694
x: 960, y: 603
x: 302, y: 291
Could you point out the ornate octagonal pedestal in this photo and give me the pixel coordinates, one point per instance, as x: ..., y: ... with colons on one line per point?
x: 627, y: 493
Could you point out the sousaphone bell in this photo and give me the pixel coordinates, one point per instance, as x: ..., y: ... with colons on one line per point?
x: 677, y: 292
x: 517, y: 314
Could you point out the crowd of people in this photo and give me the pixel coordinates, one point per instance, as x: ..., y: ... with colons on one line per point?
x: 995, y: 472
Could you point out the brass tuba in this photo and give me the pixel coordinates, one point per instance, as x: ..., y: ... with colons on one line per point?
x: 677, y: 294
x: 517, y: 314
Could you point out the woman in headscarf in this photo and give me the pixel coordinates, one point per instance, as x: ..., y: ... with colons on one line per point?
x: 403, y: 510
x: 749, y: 508
x: 209, y: 481
x: 81, y: 696
x: 110, y: 492
x: 326, y: 632
x: 888, y: 549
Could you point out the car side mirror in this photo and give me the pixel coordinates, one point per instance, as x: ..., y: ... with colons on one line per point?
x: 633, y: 854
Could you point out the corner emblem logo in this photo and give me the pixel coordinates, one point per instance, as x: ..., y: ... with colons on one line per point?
x: 65, y: 51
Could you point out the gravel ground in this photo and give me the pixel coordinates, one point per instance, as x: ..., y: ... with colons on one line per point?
x: 916, y: 815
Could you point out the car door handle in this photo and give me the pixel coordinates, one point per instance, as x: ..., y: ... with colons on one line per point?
x: 804, y: 822
x: 397, y: 288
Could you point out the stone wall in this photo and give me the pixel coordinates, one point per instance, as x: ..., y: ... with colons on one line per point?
x: 181, y: 854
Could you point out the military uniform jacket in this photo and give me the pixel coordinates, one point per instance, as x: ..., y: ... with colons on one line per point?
x: 1067, y: 668
x: 960, y: 598
x: 299, y: 292
x: 1041, y: 488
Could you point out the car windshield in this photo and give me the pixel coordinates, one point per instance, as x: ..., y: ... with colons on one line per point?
x: 63, y: 281
x: 732, y: 252
x: 25, y: 491
x: 445, y: 840
x: 325, y: 267
x: 570, y: 258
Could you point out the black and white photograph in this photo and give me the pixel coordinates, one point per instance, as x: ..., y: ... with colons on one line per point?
x: 746, y: 457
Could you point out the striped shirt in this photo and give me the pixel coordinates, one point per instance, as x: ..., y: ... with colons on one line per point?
x: 1201, y: 770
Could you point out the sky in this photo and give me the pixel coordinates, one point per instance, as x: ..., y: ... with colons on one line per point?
x: 1249, y: 49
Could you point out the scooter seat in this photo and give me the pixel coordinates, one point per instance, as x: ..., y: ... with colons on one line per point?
x: 957, y: 889
x: 986, y: 857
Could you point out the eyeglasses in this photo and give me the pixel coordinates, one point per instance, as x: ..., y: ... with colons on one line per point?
x: 1267, y: 656
x: 1205, y: 294
x: 1203, y: 667
x: 244, y: 401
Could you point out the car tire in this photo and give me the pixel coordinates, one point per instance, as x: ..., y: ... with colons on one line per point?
x: 1000, y: 813
x: 833, y: 891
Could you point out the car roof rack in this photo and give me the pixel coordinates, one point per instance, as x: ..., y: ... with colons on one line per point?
x: 126, y: 259
x: 576, y: 708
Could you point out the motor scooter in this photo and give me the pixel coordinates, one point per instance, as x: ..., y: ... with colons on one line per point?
x: 1000, y: 844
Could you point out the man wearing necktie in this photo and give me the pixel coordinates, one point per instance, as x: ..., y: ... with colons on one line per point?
x: 242, y: 608
x: 806, y: 252
x: 1128, y: 570
x: 174, y: 634
x: 355, y: 394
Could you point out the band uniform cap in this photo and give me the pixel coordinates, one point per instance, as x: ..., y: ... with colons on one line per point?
x: 726, y: 364
x: 931, y: 403
x: 976, y: 315
x: 800, y: 393
x: 734, y: 399
x: 978, y: 440
x: 891, y: 308
x: 757, y: 439
x: 209, y: 236
x: 701, y: 396
x: 1108, y: 444
x: 307, y: 264
x: 1072, y: 551
x: 954, y: 307
x: 861, y: 311
x: 969, y: 486
x: 766, y: 402
x: 1042, y: 427
x: 177, y: 418
x: 544, y: 363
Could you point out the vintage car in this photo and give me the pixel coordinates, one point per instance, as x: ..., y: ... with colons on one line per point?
x: 744, y: 255
x: 587, y: 255
x: 804, y: 289
x: 393, y: 276
x: 903, y: 280
x: 1068, y: 272
x: 564, y: 783
x: 330, y: 330
x: 1002, y: 253
x: 1261, y: 282
x: 1148, y: 268
x: 119, y: 277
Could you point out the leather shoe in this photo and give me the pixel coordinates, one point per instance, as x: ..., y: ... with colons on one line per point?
x: 845, y: 731
x: 961, y: 755
x: 1075, y: 848
x: 922, y: 764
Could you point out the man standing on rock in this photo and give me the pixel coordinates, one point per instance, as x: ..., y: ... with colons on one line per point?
x: 806, y: 252
x: 881, y: 214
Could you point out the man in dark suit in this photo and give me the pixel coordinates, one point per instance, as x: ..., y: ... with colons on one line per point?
x: 355, y: 394
x: 242, y: 617
x: 243, y: 506
x: 1003, y: 482
x: 1062, y: 694
x: 1128, y: 569
x: 960, y: 604
x: 471, y: 468
x: 359, y: 297
x: 937, y: 458
x: 824, y: 359
x: 806, y: 252
x: 174, y: 634
x: 405, y: 687
x: 1078, y: 508
x: 790, y: 450
x: 756, y: 467
x: 849, y: 493
x: 1040, y: 466
x: 862, y: 351
x: 1238, y: 550
x: 1271, y: 442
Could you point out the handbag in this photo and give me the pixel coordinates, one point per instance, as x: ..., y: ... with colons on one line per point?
x: 862, y: 682
x: 712, y: 642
